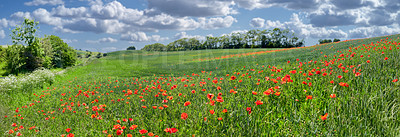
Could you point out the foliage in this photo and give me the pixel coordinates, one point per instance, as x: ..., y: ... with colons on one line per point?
x: 15, y: 59
x: 33, y: 55
x: 131, y: 48
x: 275, y: 38
x: 323, y: 41
x: 63, y: 55
x: 154, y: 47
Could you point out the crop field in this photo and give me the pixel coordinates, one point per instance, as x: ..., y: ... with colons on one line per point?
x: 348, y: 88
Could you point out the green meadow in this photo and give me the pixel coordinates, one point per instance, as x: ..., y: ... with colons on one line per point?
x: 348, y: 88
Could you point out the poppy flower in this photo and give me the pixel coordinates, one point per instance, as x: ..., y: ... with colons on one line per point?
x: 129, y: 135
x: 143, y: 131
x: 70, y: 135
x: 224, y: 111
x: 210, y: 96
x: 184, y: 116
x: 171, y: 130
x: 187, y: 103
x: 248, y: 109
x: 258, y: 102
x: 133, y: 127
x: 212, y: 111
x: 333, y: 95
x: 68, y: 129
x: 324, y: 117
x: 309, y: 97
x: 119, y: 132
x: 220, y: 118
x: 395, y: 80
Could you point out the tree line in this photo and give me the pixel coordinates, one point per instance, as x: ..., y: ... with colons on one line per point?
x: 322, y: 41
x: 30, y: 52
x: 276, y: 38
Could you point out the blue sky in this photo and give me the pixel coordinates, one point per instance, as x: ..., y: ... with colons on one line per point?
x: 109, y: 25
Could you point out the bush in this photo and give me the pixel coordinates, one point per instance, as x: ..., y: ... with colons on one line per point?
x: 131, y: 48
x: 15, y: 59
x: 63, y: 55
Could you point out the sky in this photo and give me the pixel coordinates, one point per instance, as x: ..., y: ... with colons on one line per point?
x: 111, y: 25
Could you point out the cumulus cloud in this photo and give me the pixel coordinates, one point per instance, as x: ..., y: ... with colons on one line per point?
x: 102, y: 40
x: 141, y: 37
x: 306, y: 30
x: 2, y: 34
x: 257, y: 22
x: 363, y: 32
x: 181, y: 35
x: 216, y: 23
x: 44, y: 2
x: 194, y: 8
x: 70, y: 40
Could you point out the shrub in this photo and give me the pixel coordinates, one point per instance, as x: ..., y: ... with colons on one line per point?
x: 63, y: 55
x: 131, y: 48
x: 15, y: 59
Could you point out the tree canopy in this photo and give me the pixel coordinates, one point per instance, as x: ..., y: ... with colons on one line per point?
x: 275, y: 38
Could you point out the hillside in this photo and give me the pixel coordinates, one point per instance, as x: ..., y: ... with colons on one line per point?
x: 348, y: 88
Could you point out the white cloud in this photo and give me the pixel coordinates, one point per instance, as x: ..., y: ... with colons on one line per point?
x: 108, y: 49
x: 70, y: 40
x: 102, y: 40
x: 43, y: 16
x: 141, y: 37
x: 257, y: 22
x: 44, y: 2
x: 216, y: 23
x: 181, y: 35
x: 2, y: 34
x: 363, y: 32
x: 194, y: 8
x: 306, y: 30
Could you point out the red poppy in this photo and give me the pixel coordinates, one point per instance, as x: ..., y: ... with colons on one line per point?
x: 324, y: 117
x: 70, y: 135
x: 187, y: 103
x: 212, y: 111
x: 129, y: 135
x: 184, y: 116
x: 68, y: 129
x: 333, y: 95
x: 171, y: 130
x: 119, y: 132
x: 224, y: 111
x: 210, y: 96
x: 248, y: 109
x: 143, y: 131
x: 395, y: 80
x: 258, y: 102
x: 220, y: 118
x: 309, y: 97
x: 133, y: 127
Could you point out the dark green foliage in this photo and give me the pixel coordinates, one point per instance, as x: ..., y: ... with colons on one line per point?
x: 63, y: 55
x: 155, y: 47
x: 322, y: 41
x: 104, y: 54
x: 131, y: 48
x: 15, y: 59
x: 98, y: 55
x: 275, y: 38
x: 30, y: 55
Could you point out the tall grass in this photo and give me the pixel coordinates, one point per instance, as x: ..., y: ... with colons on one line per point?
x: 340, y: 89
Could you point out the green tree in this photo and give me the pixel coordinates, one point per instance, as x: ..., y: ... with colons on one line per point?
x: 131, y: 48
x: 63, y: 55
x: 33, y: 55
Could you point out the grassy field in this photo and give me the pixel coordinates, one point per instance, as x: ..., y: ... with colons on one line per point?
x: 341, y: 89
